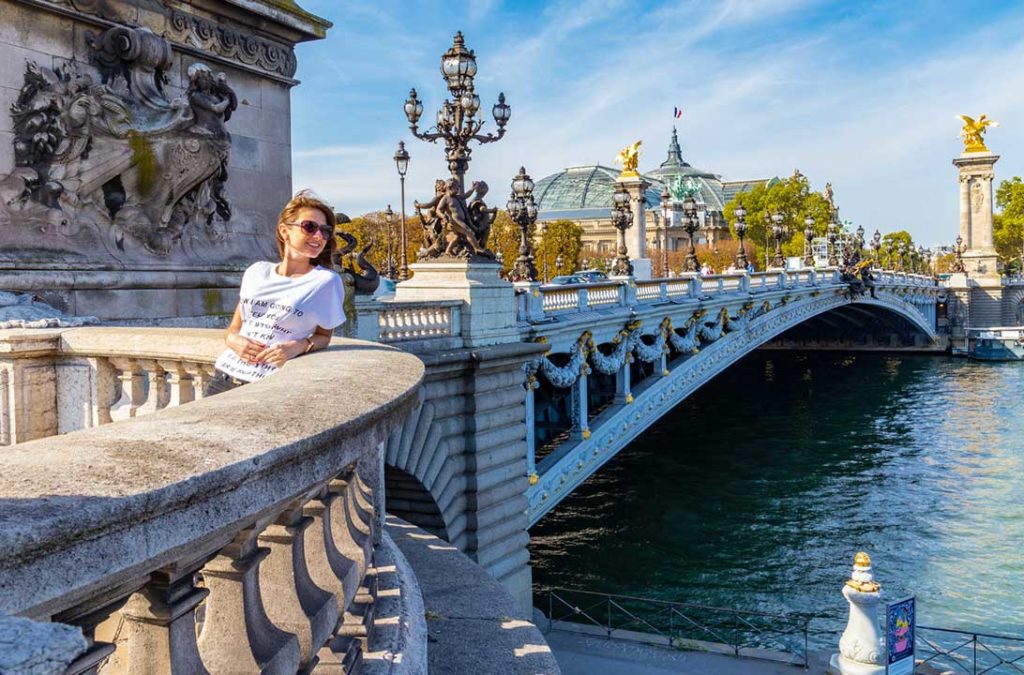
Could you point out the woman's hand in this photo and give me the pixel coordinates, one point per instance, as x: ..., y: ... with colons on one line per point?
x: 281, y: 352
x: 248, y: 350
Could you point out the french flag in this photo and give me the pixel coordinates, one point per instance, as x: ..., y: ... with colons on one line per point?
x: 677, y: 112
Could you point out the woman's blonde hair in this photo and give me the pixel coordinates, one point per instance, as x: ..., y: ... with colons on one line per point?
x: 307, y: 199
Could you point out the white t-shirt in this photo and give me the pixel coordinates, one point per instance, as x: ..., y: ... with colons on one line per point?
x: 277, y: 309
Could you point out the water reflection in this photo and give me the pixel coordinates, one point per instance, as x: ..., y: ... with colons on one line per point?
x: 756, y: 492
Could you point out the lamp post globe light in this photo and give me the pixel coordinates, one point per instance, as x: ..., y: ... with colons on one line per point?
x: 622, y: 219
x: 777, y: 231
x: 922, y: 259
x: 559, y: 261
x: 740, y: 226
x: 690, y: 220
x: 523, y: 212
x: 876, y: 245
x: 402, y: 164
x: 808, y: 241
x: 860, y: 240
x: 456, y: 120
x: 666, y: 213
x: 389, y: 261
x: 888, y: 255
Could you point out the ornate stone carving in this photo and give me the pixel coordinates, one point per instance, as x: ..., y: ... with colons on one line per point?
x: 456, y: 224
x: 232, y: 44
x: 116, y: 154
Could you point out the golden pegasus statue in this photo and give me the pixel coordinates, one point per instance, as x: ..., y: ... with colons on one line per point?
x: 628, y: 157
x: 973, y: 130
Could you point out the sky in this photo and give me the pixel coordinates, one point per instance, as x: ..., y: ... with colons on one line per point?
x: 862, y: 94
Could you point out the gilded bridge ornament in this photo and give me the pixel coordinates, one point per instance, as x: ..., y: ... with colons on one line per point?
x: 629, y: 157
x: 973, y: 130
x: 113, y: 154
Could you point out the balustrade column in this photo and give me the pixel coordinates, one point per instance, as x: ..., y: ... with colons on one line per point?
x: 133, y: 388
x: 531, y: 429
x: 180, y: 387
x: 160, y: 625
x: 623, y: 393
x: 237, y: 636
x: 580, y: 421
x: 104, y: 390
x: 292, y: 601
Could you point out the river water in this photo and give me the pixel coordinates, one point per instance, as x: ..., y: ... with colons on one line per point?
x: 756, y: 492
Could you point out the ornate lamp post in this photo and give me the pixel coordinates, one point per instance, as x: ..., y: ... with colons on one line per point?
x: 833, y: 233
x: 622, y: 219
x: 876, y: 245
x: 922, y: 260
x: 777, y: 232
x: 860, y: 240
x: 402, y: 164
x: 690, y: 218
x: 456, y: 120
x: 888, y: 255
x: 740, y: 226
x: 523, y: 212
x: 958, y: 260
x: 808, y: 241
x: 559, y: 261
x: 900, y: 250
x: 666, y: 213
x: 389, y: 262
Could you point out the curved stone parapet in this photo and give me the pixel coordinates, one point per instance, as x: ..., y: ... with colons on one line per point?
x: 232, y: 534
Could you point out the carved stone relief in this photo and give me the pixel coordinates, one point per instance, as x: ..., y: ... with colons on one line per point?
x: 104, y: 148
x: 977, y: 197
x: 232, y: 44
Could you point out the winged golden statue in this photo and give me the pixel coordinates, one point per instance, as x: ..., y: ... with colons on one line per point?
x: 973, y: 130
x: 628, y: 157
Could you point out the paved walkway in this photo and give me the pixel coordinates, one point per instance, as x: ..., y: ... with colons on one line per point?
x: 579, y: 654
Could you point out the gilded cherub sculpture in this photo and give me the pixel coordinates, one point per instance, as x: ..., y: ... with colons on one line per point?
x: 973, y: 131
x: 629, y: 157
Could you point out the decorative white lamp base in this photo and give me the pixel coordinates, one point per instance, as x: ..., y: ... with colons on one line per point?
x: 861, y: 648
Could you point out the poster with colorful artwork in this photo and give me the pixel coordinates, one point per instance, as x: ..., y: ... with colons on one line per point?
x: 899, y: 637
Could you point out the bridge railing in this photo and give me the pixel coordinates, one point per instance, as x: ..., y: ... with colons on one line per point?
x: 230, y: 534
x: 416, y: 326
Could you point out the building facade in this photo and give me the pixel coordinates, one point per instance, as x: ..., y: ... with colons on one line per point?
x: 583, y: 194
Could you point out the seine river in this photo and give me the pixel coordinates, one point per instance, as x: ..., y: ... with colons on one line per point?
x: 756, y: 492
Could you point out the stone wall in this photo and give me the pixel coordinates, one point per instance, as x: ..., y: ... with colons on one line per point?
x: 102, y: 242
x: 458, y: 466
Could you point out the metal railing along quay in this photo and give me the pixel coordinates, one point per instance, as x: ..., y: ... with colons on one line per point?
x: 949, y: 650
x: 685, y: 625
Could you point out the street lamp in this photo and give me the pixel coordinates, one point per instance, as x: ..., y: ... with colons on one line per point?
x: 833, y: 229
x: 777, y: 230
x: 622, y: 219
x: 559, y: 261
x: 900, y: 250
x: 876, y: 245
x: 888, y: 254
x: 666, y: 212
x: 690, y: 220
x: 808, y: 241
x: 860, y: 240
x: 922, y: 260
x: 523, y: 212
x: 958, y: 260
x: 402, y: 164
x: 389, y: 262
x: 457, y: 122
x: 740, y: 226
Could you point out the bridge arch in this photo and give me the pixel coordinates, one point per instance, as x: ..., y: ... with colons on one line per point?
x: 723, y: 343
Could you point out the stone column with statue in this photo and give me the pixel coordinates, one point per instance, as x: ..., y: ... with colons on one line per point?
x: 976, y: 282
x: 633, y: 183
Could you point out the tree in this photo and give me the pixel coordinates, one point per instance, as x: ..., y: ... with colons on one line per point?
x: 372, y: 228
x: 560, y: 238
x: 1008, y: 226
x: 794, y: 199
x: 504, y: 239
x: 895, y: 238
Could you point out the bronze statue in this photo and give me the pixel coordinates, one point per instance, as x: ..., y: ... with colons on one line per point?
x: 629, y: 157
x: 973, y: 130
x: 366, y: 283
x: 453, y: 228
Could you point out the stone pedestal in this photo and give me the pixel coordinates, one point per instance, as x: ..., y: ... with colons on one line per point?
x: 489, y: 314
x: 978, y: 292
x: 636, y: 236
x: 861, y: 648
x: 976, y: 175
x: 155, y: 225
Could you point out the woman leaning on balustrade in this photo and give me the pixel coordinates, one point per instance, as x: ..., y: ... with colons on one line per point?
x: 288, y: 308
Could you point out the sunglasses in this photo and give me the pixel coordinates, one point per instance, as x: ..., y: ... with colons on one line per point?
x: 311, y: 227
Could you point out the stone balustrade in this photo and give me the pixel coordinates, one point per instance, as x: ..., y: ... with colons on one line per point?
x: 233, y: 534
x: 414, y: 326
